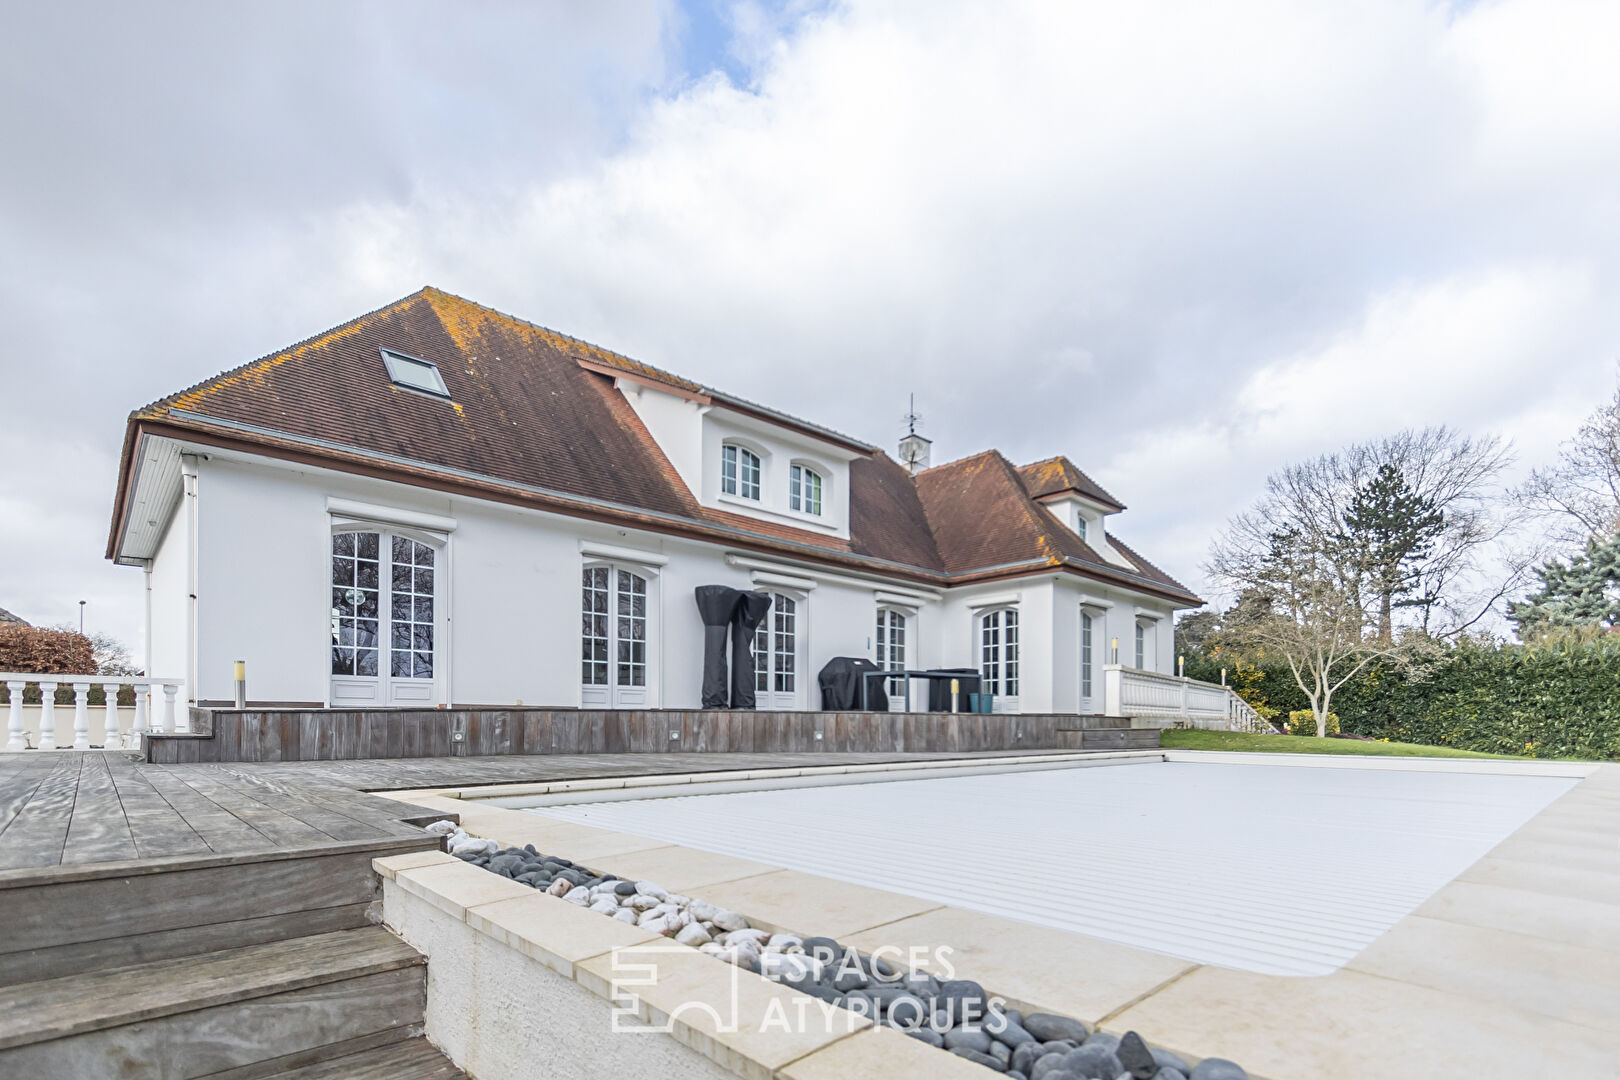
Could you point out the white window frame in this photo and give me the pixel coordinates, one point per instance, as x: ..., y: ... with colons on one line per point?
x: 387, y: 689
x: 885, y: 648
x: 1088, y: 626
x: 1141, y: 645
x: 1007, y: 661
x: 800, y: 477
x: 734, y: 480
x: 414, y: 373
x: 614, y: 693
x: 772, y: 696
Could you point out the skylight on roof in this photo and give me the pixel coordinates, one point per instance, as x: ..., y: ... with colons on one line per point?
x: 416, y: 374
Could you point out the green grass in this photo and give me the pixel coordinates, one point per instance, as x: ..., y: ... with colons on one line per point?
x: 1187, y: 739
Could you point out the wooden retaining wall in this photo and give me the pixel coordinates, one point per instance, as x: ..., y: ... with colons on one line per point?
x: 332, y: 734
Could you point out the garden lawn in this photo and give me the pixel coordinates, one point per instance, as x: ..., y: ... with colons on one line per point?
x: 1189, y: 739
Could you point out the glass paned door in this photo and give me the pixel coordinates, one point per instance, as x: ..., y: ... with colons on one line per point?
x: 380, y: 579
x: 891, y: 651
x: 776, y: 656
x: 613, y: 638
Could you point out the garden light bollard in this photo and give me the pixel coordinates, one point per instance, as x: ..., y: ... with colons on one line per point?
x: 47, y: 715
x: 14, y: 738
x: 241, y: 684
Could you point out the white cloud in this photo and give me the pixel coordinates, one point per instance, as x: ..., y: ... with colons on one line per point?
x: 1181, y: 244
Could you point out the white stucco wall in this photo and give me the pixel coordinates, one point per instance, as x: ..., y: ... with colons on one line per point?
x: 509, y: 600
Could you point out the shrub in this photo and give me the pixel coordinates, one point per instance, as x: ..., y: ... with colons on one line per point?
x: 46, y: 652
x: 1303, y: 722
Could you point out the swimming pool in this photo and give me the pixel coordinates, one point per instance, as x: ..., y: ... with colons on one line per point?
x: 1278, y: 869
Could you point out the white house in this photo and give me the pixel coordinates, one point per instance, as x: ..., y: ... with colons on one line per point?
x: 439, y: 504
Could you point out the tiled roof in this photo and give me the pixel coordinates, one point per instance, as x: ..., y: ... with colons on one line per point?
x: 1059, y: 474
x: 8, y: 617
x: 534, y: 409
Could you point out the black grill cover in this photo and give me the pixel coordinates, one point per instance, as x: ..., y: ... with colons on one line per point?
x: 716, y: 605
x: 841, y: 685
x: 751, y: 609
x: 939, y: 690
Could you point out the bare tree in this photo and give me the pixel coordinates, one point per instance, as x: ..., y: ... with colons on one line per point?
x: 1317, y: 592
x: 1580, y: 495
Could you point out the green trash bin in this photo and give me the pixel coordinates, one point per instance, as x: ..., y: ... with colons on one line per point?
x: 981, y: 703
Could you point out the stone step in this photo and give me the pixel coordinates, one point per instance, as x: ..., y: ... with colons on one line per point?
x: 219, y: 1012
x: 412, y: 1059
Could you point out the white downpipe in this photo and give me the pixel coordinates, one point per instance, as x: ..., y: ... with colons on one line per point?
x: 188, y: 473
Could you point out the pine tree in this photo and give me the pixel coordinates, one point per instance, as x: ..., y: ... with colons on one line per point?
x: 1583, y: 594
x: 1389, y: 531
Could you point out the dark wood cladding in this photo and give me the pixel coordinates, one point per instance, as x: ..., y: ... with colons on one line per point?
x: 334, y: 735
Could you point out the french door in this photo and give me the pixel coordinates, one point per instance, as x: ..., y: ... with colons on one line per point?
x: 613, y: 639
x: 777, y: 680
x: 384, y: 619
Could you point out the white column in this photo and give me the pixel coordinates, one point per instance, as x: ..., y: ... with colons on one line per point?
x: 111, y: 739
x: 81, y: 716
x: 167, y: 723
x: 15, y: 740
x: 143, y: 695
x: 47, y: 715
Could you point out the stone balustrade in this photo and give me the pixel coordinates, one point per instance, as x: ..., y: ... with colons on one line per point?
x: 155, y: 711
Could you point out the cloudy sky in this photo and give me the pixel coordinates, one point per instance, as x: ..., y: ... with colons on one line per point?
x: 1181, y: 243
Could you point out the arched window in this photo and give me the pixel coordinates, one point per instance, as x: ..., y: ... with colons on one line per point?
x: 998, y: 652
x: 891, y: 645
x: 804, y: 490
x: 739, y: 472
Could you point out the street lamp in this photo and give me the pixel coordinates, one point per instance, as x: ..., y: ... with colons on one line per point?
x: 81, y: 617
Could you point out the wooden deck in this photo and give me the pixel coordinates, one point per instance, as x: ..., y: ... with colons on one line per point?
x: 70, y: 809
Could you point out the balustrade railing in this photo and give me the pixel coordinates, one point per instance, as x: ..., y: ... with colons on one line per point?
x: 1150, y: 694
x: 154, y: 711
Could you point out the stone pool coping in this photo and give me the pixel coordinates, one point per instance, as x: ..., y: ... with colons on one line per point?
x: 1511, y: 969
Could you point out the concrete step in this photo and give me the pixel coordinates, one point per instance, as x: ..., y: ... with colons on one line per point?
x: 412, y: 1059
x: 218, y: 1012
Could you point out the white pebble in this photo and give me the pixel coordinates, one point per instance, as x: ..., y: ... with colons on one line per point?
x: 559, y: 887
x: 626, y: 915
x: 786, y: 941
x: 749, y: 935
x: 692, y: 934
x: 441, y: 828
x: 703, y: 911
x: 730, y: 920
x: 711, y: 948
x: 643, y: 902
x: 581, y: 897
x: 467, y: 847
x: 647, y: 888
x: 788, y: 965
x: 677, y: 899
x: 604, y: 906
x: 654, y: 924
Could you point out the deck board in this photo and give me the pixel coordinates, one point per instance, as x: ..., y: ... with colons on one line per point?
x: 70, y: 809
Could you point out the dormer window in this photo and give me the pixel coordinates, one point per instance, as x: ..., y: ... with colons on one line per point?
x: 739, y: 472
x: 414, y: 374
x: 1080, y: 525
x: 804, y: 490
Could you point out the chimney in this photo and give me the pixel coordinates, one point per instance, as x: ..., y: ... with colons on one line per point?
x: 914, y: 453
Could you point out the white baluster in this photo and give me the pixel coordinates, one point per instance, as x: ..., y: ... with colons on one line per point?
x: 81, y: 716
x: 143, y: 694
x: 168, y: 724
x: 47, y: 715
x: 111, y: 739
x: 15, y: 741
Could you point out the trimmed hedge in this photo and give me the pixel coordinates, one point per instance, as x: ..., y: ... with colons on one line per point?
x: 1546, y: 701
x: 36, y: 650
